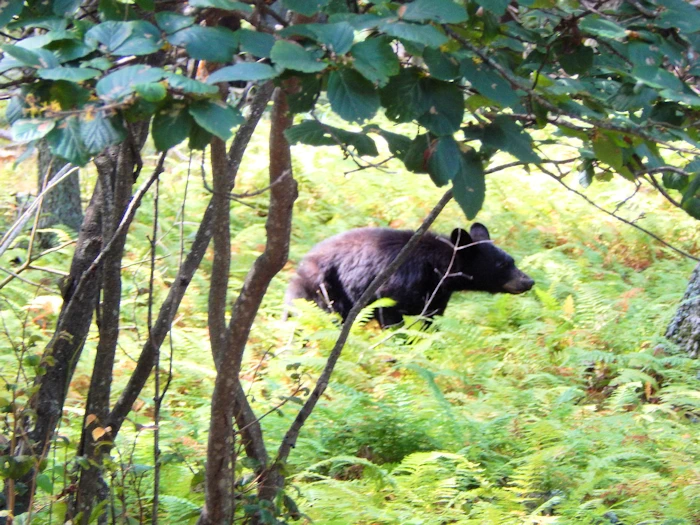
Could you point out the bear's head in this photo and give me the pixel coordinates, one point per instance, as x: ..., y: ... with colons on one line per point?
x: 484, y: 266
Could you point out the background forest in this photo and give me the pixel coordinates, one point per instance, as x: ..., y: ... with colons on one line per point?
x: 147, y: 375
x: 563, y: 405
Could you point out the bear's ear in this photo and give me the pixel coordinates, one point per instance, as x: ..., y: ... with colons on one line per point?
x: 460, y: 237
x: 479, y: 232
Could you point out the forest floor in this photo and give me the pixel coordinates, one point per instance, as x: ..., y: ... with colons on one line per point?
x: 563, y: 405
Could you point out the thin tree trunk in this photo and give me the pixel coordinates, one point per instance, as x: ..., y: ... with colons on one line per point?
x: 121, y: 179
x: 62, y: 205
x: 62, y: 352
x: 229, y: 400
x: 169, y: 307
x: 684, y: 328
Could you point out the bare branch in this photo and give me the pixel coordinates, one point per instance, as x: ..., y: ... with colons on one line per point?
x: 16, y: 228
x: 622, y: 219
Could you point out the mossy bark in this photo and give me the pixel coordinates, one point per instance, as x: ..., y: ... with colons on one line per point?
x: 684, y: 328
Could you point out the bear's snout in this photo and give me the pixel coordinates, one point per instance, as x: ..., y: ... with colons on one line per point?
x: 519, y: 283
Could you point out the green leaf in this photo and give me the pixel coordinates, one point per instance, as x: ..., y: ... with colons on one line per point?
x: 308, y: 89
x: 692, y: 207
x: 352, y: 96
x: 172, y: 22
x: 144, y: 40
x: 113, y: 10
x: 469, y: 184
x: 15, y: 109
x: 110, y: 34
x: 425, y: 35
x: 214, y: 44
x: 445, y: 161
x: 248, y: 71
x: 227, y: 5
x: 577, y: 62
x: 43, y: 482
x: 256, y: 43
x: 375, y: 60
x: 101, y: 63
x: 26, y: 130
x: 66, y: 141
x: 152, y: 92
x: 440, y: 11
x: 314, y: 133
x: 71, y: 74
x: 442, y: 66
x: 404, y: 97
x: 504, y: 134
x: 643, y: 54
x: 171, y: 126
x: 189, y: 85
x: 8, y: 10
x: 607, y: 151
x: 305, y: 7
x: 120, y: 84
x: 489, y: 84
x: 680, y: 14
x: 65, y: 8
x: 666, y: 113
x: 497, y: 7
x: 69, y: 94
x: 69, y: 50
x: 398, y: 144
x: 657, y: 77
x: 674, y: 181
x: 140, y: 109
x: 336, y: 37
x: 199, y: 137
x: 37, y: 58
x: 602, y: 27
x: 418, y: 153
x: 291, y: 55
x: 691, y: 191
x: 216, y: 117
x: 628, y: 97
x: 445, y: 107
x: 14, y: 467
x: 146, y: 5
x: 586, y: 173
x: 99, y: 132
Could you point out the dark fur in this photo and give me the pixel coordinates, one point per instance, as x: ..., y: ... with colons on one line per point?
x: 337, y: 271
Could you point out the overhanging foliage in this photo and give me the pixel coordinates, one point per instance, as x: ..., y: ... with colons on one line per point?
x: 617, y: 77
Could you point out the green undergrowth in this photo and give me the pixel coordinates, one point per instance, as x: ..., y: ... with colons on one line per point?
x: 563, y: 405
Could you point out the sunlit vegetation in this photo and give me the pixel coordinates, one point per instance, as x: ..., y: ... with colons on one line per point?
x: 563, y: 405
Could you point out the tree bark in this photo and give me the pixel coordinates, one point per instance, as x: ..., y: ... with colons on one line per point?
x: 121, y: 178
x: 80, y: 295
x: 228, y: 344
x: 62, y: 205
x: 169, y: 307
x: 684, y: 328
x: 62, y: 352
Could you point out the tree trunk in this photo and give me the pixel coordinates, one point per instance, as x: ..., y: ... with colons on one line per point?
x: 62, y: 204
x: 684, y: 328
x: 228, y: 342
x: 80, y: 295
x: 118, y: 171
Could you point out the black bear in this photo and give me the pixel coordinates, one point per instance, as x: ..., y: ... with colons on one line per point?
x: 336, y: 272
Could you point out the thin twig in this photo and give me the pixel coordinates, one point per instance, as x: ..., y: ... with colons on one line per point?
x: 14, y: 230
x: 622, y: 219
